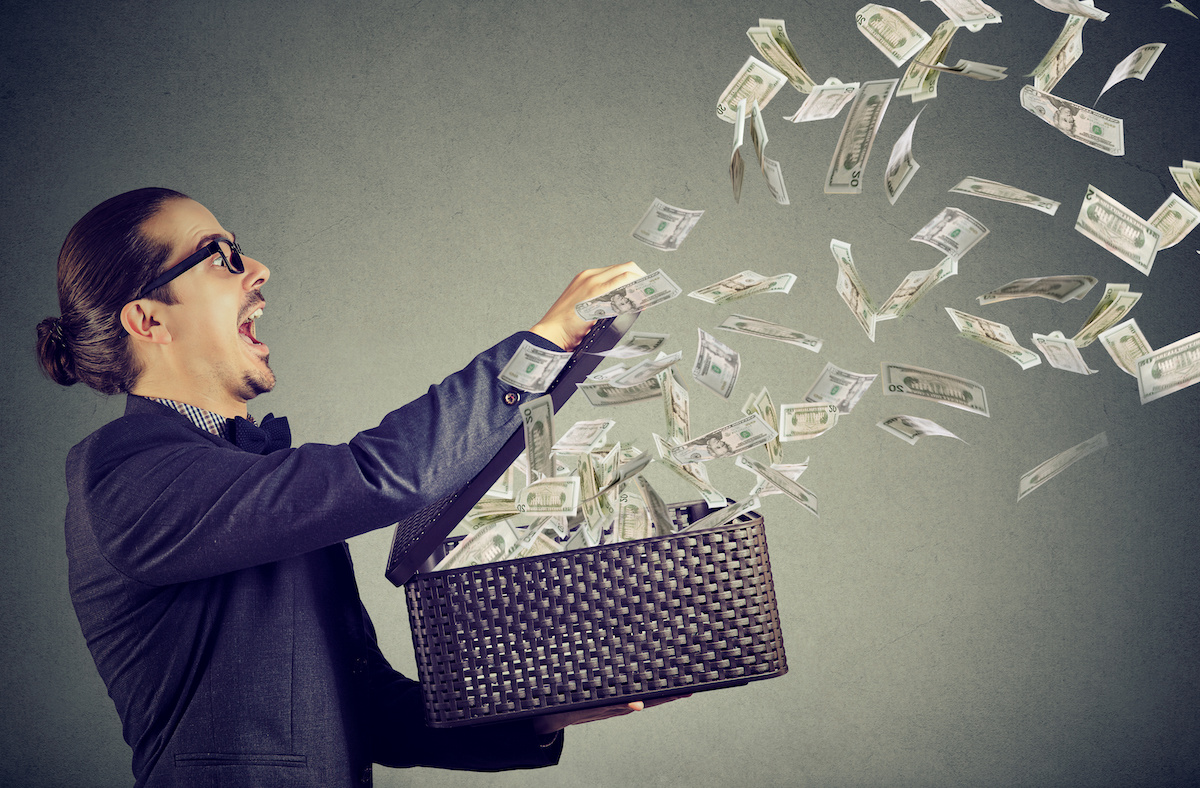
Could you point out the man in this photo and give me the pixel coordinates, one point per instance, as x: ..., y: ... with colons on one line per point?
x: 207, y: 561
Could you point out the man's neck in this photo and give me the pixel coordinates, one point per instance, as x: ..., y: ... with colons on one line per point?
x: 222, y: 406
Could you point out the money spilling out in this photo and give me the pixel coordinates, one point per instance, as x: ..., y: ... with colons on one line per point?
x: 581, y: 489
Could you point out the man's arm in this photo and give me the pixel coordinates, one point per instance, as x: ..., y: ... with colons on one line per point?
x: 167, y: 505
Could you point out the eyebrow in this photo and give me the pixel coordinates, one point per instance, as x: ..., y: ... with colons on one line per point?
x: 206, y: 240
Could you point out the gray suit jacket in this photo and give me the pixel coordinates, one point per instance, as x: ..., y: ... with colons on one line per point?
x: 216, y: 594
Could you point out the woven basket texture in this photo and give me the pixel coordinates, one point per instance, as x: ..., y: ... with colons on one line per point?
x: 604, y: 625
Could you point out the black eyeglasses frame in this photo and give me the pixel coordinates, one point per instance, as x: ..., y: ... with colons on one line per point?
x: 233, y: 263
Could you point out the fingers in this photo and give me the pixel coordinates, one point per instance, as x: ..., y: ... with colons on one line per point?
x: 561, y: 324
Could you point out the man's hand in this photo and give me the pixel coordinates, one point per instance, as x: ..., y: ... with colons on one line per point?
x: 550, y: 723
x: 565, y: 328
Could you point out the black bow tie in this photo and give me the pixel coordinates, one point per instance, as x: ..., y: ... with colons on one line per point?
x: 273, y: 434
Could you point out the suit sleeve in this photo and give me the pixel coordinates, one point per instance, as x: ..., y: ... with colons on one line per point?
x: 167, y: 505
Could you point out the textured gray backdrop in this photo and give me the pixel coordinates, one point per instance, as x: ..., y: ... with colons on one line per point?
x: 424, y: 178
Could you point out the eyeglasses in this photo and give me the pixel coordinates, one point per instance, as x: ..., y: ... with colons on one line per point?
x: 229, y: 252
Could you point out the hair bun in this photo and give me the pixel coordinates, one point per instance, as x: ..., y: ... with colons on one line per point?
x: 54, y: 353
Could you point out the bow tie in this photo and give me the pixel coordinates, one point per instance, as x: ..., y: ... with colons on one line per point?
x: 273, y: 434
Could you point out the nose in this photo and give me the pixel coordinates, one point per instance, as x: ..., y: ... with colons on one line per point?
x: 255, y: 274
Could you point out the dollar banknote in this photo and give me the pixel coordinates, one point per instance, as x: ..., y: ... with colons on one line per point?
x: 971, y: 14
x: 1118, y: 229
x: 1063, y: 53
x: 1055, y: 288
x: 660, y: 515
x: 665, y: 226
x: 919, y: 82
x: 725, y: 289
x: 1084, y: 9
x: 489, y: 511
x: 858, y: 135
x: 789, y: 487
x: 533, y: 544
x: 1189, y: 184
x: 953, y: 232
x: 737, y: 167
x: 772, y: 43
x: 911, y: 428
x: 755, y: 81
x: 505, y: 486
x: 537, y: 419
x: 604, y: 394
x: 642, y: 293
x: 493, y: 542
x: 692, y: 473
x: 633, y: 517
x: 1059, y: 462
x: 755, y: 327
x: 1113, y: 307
x: 998, y: 191
x: 742, y: 435
x: 1082, y: 124
x: 901, y: 164
x: 636, y: 343
x: 532, y: 368
x: 996, y: 336
x: 717, y: 364
x: 1062, y: 353
x: 676, y: 405
x: 1181, y: 8
x: 983, y: 72
x: 763, y: 406
x: 775, y: 185
x: 892, y: 33
x: 935, y: 386
x: 583, y: 436
x: 723, y: 515
x: 1126, y: 343
x: 606, y: 472
x: 839, y: 387
x: 758, y: 133
x: 779, y: 33
x: 851, y: 288
x: 555, y: 495
x: 621, y: 471
x: 913, y: 288
x: 608, y: 374
x: 646, y: 370
x: 1111, y: 291
x: 743, y: 284
x: 762, y: 488
x: 806, y: 420
x: 825, y: 101
x: 1135, y: 66
x: 1169, y: 369
x: 1174, y: 219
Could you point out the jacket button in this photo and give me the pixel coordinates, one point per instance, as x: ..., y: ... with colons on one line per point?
x: 511, y: 398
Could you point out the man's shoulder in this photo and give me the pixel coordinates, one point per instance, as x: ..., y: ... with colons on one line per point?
x: 145, y: 425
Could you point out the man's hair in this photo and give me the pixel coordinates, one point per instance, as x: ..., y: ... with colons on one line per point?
x: 104, y: 263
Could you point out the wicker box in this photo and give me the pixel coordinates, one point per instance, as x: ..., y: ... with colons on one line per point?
x: 599, y: 626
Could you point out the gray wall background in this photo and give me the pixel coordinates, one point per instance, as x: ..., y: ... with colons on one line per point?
x: 424, y: 178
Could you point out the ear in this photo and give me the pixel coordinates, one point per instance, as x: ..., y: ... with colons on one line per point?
x: 139, y: 321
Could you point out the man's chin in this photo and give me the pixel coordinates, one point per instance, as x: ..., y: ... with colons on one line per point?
x: 255, y: 383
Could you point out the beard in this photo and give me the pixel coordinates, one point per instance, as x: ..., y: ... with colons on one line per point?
x: 259, y: 382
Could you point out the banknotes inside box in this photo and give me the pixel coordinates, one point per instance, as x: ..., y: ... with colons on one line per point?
x: 608, y: 624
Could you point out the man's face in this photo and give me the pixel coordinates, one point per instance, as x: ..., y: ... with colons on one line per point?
x: 213, y: 343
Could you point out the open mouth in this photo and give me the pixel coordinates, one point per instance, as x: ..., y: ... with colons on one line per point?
x: 247, y: 331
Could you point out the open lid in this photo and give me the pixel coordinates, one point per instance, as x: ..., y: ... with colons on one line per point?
x: 419, y: 534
